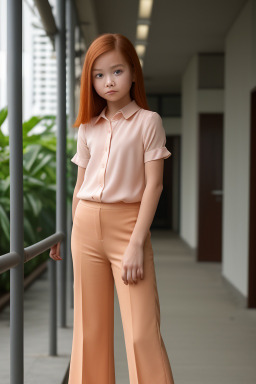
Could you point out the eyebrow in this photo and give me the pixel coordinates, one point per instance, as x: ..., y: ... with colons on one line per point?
x: 113, y: 66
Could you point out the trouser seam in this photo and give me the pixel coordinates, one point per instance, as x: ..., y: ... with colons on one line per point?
x: 109, y: 334
x: 129, y: 289
x: 158, y: 329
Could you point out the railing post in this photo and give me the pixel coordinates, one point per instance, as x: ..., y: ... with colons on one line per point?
x: 71, y: 88
x: 61, y: 194
x: 53, y: 309
x: 14, y: 99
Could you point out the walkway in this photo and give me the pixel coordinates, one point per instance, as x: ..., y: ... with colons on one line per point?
x: 209, y: 335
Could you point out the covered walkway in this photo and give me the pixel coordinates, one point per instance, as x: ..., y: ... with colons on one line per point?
x: 209, y: 334
x: 206, y: 69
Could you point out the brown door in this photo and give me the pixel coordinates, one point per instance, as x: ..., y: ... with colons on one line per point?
x: 252, y: 202
x: 210, y: 187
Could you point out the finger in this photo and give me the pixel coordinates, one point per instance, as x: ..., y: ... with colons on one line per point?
x: 129, y: 276
x: 123, y: 275
x: 141, y: 273
x: 53, y: 249
x: 55, y: 257
x: 134, y: 275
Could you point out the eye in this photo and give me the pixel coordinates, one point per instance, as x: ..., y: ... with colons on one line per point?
x: 98, y: 74
x: 118, y: 70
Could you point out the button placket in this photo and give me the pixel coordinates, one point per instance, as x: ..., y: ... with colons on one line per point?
x: 104, y: 159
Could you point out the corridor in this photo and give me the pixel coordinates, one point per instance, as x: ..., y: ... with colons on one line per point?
x: 209, y: 335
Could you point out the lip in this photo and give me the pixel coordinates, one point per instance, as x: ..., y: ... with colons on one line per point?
x: 110, y: 92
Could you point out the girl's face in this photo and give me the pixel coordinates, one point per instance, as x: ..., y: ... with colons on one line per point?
x: 111, y: 72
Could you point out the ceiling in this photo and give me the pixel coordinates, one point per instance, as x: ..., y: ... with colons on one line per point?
x: 178, y: 30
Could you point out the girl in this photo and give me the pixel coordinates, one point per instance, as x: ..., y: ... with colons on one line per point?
x: 120, y: 157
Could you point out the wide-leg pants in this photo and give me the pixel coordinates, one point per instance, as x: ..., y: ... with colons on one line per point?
x: 100, y: 235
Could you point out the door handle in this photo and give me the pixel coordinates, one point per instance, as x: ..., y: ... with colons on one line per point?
x: 217, y: 192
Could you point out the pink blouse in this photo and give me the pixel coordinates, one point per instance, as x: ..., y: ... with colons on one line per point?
x: 114, y: 152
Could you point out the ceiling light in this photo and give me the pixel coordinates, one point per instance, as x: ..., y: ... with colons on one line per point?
x: 141, y: 62
x: 145, y: 8
x: 140, y: 49
x: 142, y: 31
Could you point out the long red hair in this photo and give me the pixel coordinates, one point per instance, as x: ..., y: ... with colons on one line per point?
x: 91, y: 104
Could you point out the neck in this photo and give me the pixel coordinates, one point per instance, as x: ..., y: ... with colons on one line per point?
x: 113, y: 107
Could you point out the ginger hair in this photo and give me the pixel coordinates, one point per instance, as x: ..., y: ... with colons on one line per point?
x: 91, y: 104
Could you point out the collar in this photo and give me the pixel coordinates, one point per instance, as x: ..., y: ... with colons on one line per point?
x: 127, y: 111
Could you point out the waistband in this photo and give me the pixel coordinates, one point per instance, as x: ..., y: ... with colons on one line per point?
x: 117, y: 205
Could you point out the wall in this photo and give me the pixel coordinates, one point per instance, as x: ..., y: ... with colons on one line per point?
x: 211, y: 70
x: 189, y: 149
x: 172, y: 125
x: 238, y: 83
x: 210, y: 101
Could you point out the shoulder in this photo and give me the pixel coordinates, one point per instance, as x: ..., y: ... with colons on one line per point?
x: 150, y: 120
x: 150, y: 117
x: 85, y: 126
x: 82, y: 131
x: 147, y: 113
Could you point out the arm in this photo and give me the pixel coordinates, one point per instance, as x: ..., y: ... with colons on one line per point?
x: 154, y: 140
x: 155, y: 152
x: 79, y: 182
x: 55, y: 249
x: 81, y: 159
x: 132, y: 262
x: 149, y: 202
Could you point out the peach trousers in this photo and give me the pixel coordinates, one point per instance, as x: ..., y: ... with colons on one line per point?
x: 100, y: 235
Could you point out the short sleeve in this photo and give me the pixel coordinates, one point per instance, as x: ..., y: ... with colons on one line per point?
x: 155, y: 139
x: 82, y: 155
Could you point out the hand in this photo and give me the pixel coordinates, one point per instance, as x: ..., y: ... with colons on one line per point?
x: 132, y: 264
x: 55, y: 252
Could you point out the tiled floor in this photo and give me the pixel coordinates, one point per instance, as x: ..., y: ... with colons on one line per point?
x: 209, y: 335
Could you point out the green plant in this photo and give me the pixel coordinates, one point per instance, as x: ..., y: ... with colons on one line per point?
x: 39, y: 185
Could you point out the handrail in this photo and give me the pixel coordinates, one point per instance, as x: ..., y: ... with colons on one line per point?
x: 8, y: 261
x: 11, y: 259
x: 42, y: 246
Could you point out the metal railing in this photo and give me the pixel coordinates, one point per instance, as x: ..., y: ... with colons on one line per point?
x: 15, y: 259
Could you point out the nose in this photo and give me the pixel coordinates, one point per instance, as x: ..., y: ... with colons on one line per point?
x: 109, y: 82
